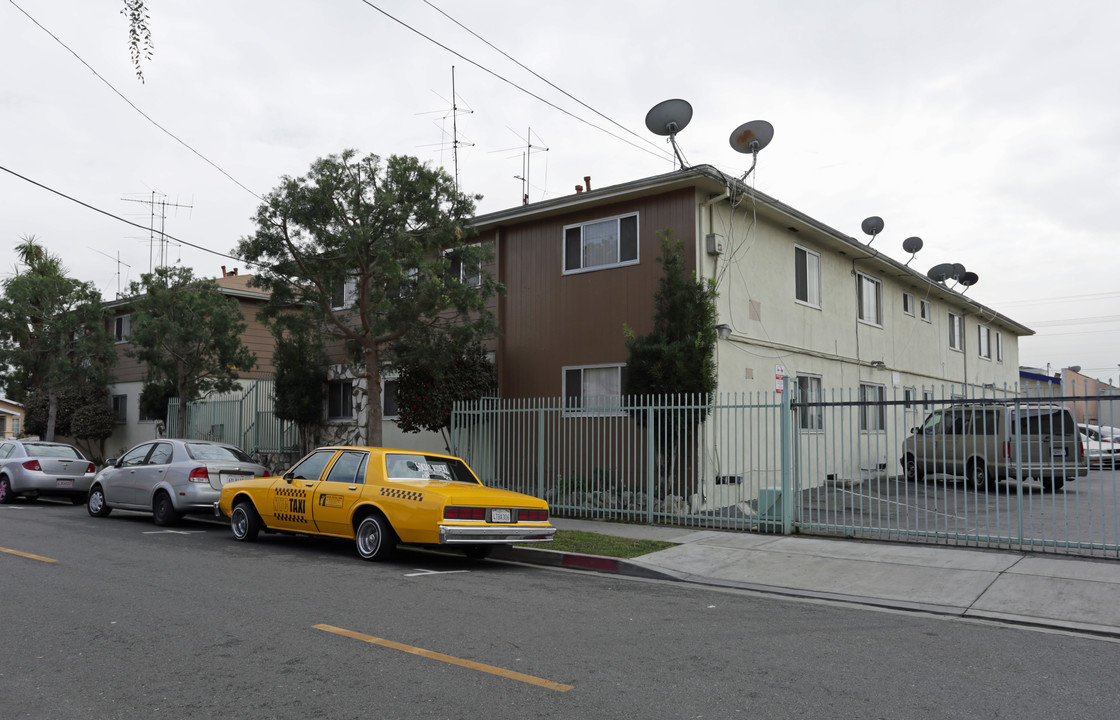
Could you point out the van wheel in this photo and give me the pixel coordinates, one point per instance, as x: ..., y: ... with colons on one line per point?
x: 980, y: 476
x: 1051, y: 484
x: 913, y: 469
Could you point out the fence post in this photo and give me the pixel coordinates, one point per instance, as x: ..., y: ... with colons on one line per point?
x: 541, y: 465
x: 650, y: 461
x: 786, y: 433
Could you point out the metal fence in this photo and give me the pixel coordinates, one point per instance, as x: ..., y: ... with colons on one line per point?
x: 829, y: 463
x: 244, y: 418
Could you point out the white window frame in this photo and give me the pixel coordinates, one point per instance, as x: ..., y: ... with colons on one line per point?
x: 926, y: 311
x: 812, y: 279
x: 999, y: 346
x: 863, y: 308
x: 809, y: 390
x: 618, y: 261
x: 927, y: 400
x: 474, y: 280
x: 908, y: 303
x: 984, y: 341
x: 956, y: 332
x: 872, y: 422
x: 609, y: 407
x: 349, y: 294
x: 122, y: 327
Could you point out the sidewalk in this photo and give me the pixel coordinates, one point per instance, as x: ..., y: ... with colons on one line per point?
x: 1048, y: 591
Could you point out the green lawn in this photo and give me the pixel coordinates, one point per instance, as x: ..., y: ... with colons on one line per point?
x: 595, y: 544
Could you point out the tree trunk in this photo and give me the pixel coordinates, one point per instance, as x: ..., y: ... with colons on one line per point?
x: 181, y: 385
x: 373, y: 396
x: 52, y: 414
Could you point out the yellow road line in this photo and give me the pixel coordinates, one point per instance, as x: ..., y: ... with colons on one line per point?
x: 560, y: 687
x: 27, y: 555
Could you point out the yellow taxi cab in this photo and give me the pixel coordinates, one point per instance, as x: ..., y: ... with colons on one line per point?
x: 381, y: 496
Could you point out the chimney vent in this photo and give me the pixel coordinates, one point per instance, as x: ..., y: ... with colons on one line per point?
x: 587, y: 182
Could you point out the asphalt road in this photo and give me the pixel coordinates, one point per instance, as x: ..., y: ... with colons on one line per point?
x: 135, y: 621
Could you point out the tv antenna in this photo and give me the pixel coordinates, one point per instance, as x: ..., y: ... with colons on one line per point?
x: 117, y: 259
x: 162, y: 204
x: 454, y: 115
x: 527, y: 151
x: 669, y: 117
x: 749, y: 138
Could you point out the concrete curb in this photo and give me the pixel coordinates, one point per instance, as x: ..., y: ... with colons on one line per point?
x: 579, y: 561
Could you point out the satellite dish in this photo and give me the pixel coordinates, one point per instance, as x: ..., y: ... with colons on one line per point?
x: 750, y: 137
x: 669, y: 117
x: 969, y: 279
x: 958, y: 271
x: 1074, y: 368
x: 940, y: 273
x: 912, y: 244
x: 872, y: 226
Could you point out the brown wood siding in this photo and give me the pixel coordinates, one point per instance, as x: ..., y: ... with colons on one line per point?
x: 551, y: 320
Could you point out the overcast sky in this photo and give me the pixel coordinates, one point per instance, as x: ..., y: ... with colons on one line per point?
x: 989, y: 129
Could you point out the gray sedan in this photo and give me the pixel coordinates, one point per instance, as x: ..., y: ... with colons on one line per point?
x: 33, y: 468
x: 169, y: 478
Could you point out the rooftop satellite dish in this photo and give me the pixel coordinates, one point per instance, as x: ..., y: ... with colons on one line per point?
x: 669, y: 117
x: 750, y: 137
x: 872, y: 226
x: 912, y: 245
x: 969, y: 279
x: 940, y: 273
x: 958, y: 271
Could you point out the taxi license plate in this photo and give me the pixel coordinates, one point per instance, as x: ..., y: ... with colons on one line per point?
x: 499, y: 516
x: 64, y: 483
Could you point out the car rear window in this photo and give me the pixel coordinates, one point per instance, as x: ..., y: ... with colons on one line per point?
x: 399, y: 466
x: 1056, y: 422
x: 53, y: 451
x: 206, y: 451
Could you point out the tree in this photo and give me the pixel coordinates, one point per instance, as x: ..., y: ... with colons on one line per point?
x: 139, y: 35
x: 82, y: 412
x: 428, y: 390
x: 301, y: 369
x: 52, y: 332
x: 187, y: 333
x: 678, y: 356
x: 154, y: 399
x: 372, y: 247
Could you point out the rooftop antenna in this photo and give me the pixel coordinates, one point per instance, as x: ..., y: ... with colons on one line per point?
x: 161, y: 202
x: 119, y: 263
x: 527, y: 151
x: 872, y: 226
x: 912, y: 245
x: 669, y: 117
x: 749, y: 138
x: 455, y: 141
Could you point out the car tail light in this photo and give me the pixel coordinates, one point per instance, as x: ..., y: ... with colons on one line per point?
x: 1007, y: 450
x: 90, y: 469
x: 199, y: 474
x: 532, y: 515
x: 33, y: 465
x: 464, y: 513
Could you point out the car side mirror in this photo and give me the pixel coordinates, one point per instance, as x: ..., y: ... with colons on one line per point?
x: 111, y: 462
x: 289, y: 476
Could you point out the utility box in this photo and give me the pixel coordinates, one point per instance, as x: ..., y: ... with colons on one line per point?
x: 770, y: 510
x: 714, y: 244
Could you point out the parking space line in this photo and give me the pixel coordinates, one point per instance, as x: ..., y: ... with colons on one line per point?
x: 502, y: 672
x: 27, y: 555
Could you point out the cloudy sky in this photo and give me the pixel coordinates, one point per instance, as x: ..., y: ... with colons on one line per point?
x: 989, y: 129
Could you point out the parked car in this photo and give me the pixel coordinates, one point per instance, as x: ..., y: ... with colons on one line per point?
x: 992, y: 441
x: 1102, y: 445
x: 378, y: 497
x: 34, y: 468
x: 169, y: 478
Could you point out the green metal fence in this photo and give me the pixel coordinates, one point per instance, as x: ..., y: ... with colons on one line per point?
x: 243, y: 418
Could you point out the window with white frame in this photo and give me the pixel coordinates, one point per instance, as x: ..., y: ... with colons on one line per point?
x: 122, y: 328
x: 927, y: 314
x: 468, y: 272
x: 872, y: 409
x: 999, y: 346
x: 927, y: 399
x: 120, y: 408
x: 956, y: 332
x: 340, y: 399
x: 984, y: 341
x: 869, y: 294
x: 807, y: 276
x: 908, y: 303
x: 345, y: 294
x: 15, y: 427
x: 593, y: 389
x: 601, y: 244
x: 909, y: 396
x: 809, y: 391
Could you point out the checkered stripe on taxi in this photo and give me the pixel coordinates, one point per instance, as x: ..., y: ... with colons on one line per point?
x: 402, y: 494
x: 285, y: 517
x: 290, y: 492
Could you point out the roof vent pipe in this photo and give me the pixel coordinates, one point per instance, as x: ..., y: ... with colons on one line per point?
x: 579, y: 189
x: 587, y: 182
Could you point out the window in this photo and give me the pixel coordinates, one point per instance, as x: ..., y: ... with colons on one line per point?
x: 312, y: 466
x: 908, y: 397
x: 427, y: 467
x: 135, y: 456
x: 956, y: 334
x: 984, y: 341
x: 600, y: 244
x: 350, y: 468
x: 161, y: 455
x: 908, y: 303
x: 872, y: 410
x: 345, y: 294
x: 869, y: 292
x: 807, y: 276
x: 389, y: 399
x: 340, y: 399
x: 999, y: 346
x: 122, y: 327
x: 927, y: 399
x: 809, y: 391
x: 468, y: 272
x: 3, y: 425
x: 15, y: 427
x: 593, y: 389
x: 926, y: 314
x: 120, y: 408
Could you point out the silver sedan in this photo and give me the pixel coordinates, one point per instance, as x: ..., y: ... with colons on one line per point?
x: 169, y: 478
x: 34, y: 468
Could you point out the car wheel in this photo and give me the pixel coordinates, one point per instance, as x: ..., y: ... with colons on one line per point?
x: 1051, y: 483
x: 6, y: 494
x: 375, y: 538
x: 478, y: 552
x: 978, y: 474
x: 245, y: 521
x: 914, y: 472
x: 163, y: 512
x: 95, y: 503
